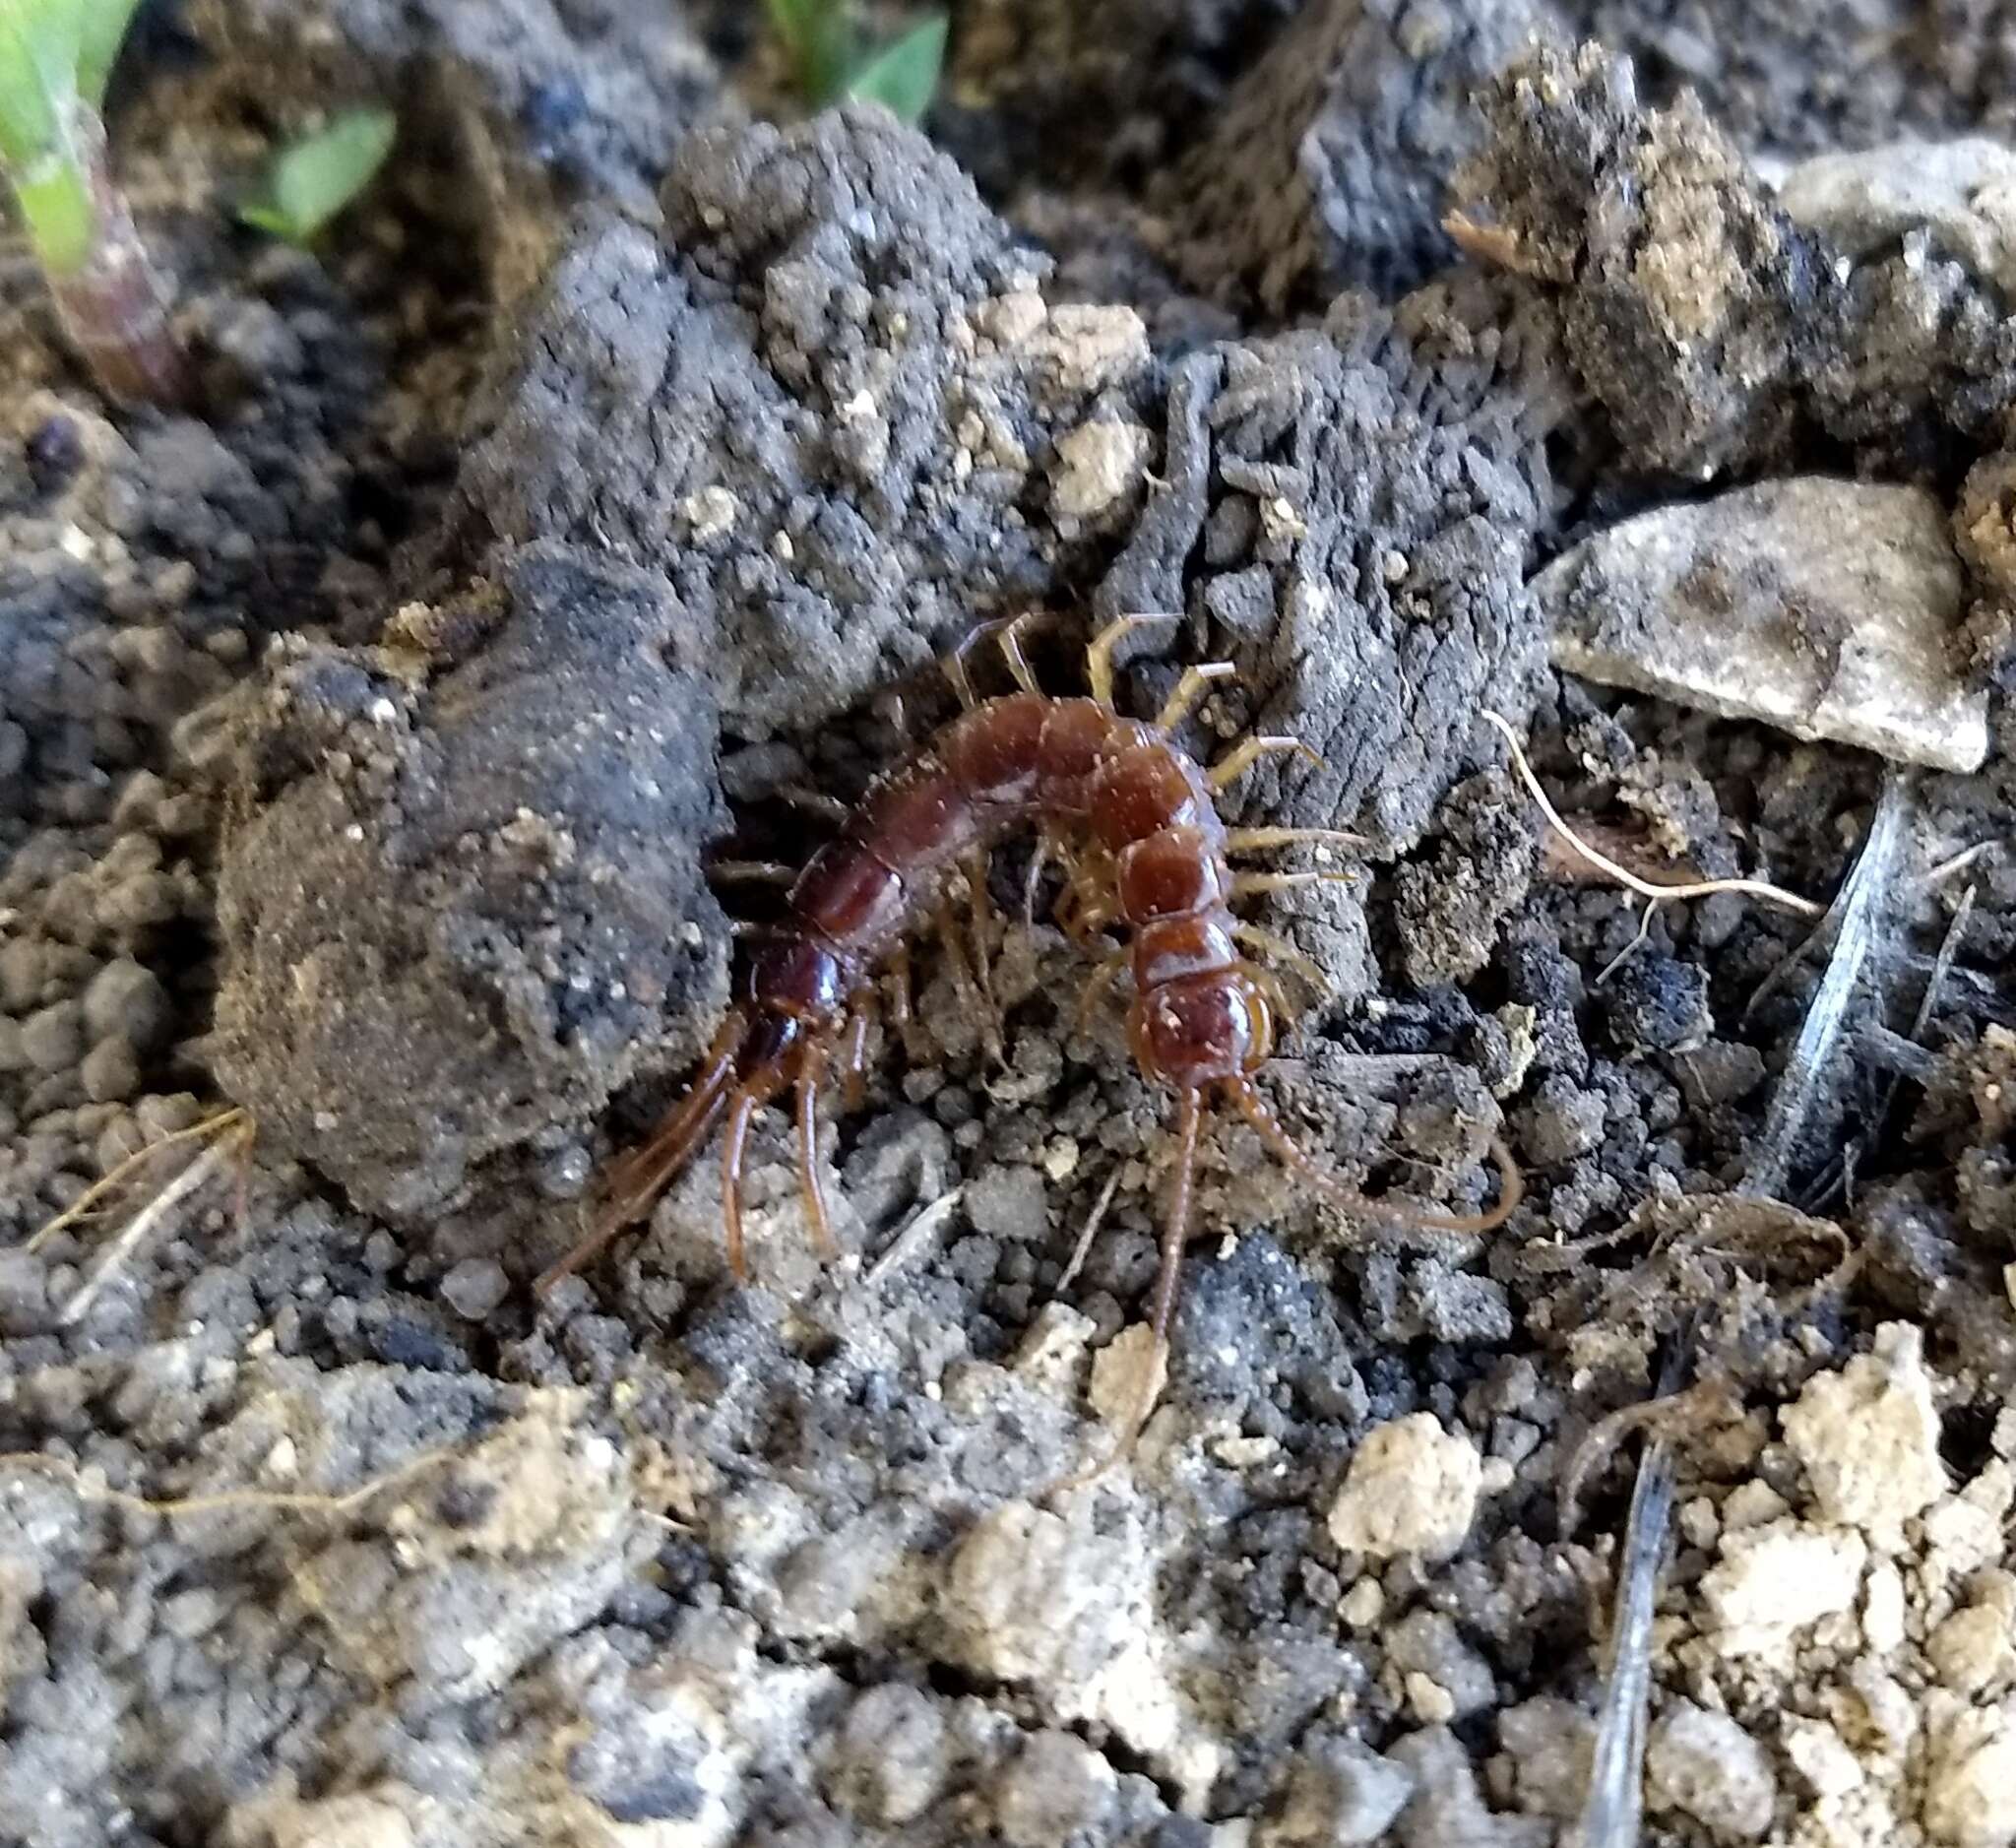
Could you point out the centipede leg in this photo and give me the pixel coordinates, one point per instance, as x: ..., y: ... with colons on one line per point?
x: 954, y: 659
x: 1191, y: 689
x: 733, y: 1144
x: 1096, y: 986
x: 1282, y: 950
x: 854, y: 1063
x: 963, y: 980
x: 976, y: 869
x: 1175, y: 1234
x: 1099, y: 657
x: 1243, y: 756
x: 811, y: 1070
x: 827, y: 807
x: 1312, y: 1172
x: 1252, y: 840
x: 1011, y: 650
x: 902, y: 1016
x: 1246, y: 884
x: 1033, y: 881
x: 751, y: 873
x: 639, y: 1177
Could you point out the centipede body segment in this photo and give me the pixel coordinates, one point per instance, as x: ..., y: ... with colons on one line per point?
x: 1153, y: 859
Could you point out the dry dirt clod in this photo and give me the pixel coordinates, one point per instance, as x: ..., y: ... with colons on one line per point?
x: 1869, y: 1437
x: 1413, y: 1486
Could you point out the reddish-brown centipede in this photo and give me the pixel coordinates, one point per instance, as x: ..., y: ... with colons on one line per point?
x: 1202, y: 1019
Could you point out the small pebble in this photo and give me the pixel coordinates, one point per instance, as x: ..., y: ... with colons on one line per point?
x: 112, y: 1071
x: 52, y: 1038
x: 126, y: 997
x: 474, y: 1288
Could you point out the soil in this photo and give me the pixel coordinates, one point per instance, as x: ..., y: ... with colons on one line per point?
x: 615, y: 472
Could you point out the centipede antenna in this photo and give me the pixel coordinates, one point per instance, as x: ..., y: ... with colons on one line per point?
x: 1252, y: 840
x: 1175, y: 1230
x: 811, y: 1070
x: 733, y: 1144
x: 1306, y: 1168
x: 1191, y: 689
x: 1175, y: 1234
x: 751, y: 873
x: 639, y: 1177
x: 1243, y: 756
x: 1099, y: 656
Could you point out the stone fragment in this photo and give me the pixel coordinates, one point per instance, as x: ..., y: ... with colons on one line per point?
x: 1869, y: 1437
x: 1827, y: 608
x: 1339, y: 1794
x: 1773, y: 1581
x: 1098, y: 465
x: 1057, y: 1789
x: 1975, y: 1646
x: 1412, y: 1488
x: 1705, y: 1766
x: 1970, y: 1799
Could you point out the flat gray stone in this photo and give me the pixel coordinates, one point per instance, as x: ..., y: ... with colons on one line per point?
x: 1961, y: 193
x: 1824, y: 608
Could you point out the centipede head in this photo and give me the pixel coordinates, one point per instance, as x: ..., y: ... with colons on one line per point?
x: 1202, y: 1030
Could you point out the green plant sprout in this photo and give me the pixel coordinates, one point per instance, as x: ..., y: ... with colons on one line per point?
x: 835, y: 63
x: 312, y: 179
x: 55, y: 58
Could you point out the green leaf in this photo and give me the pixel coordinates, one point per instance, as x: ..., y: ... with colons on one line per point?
x: 820, y: 37
x: 313, y: 180
x: 38, y: 76
x: 904, y: 76
x: 100, y: 32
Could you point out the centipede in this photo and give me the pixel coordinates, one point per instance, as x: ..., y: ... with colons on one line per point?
x: 1135, y: 819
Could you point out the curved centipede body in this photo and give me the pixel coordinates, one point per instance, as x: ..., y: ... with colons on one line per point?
x: 1202, y: 1021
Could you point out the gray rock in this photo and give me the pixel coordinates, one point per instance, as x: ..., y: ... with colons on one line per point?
x: 892, y: 1758
x: 1551, y: 1743
x: 1825, y: 607
x: 1428, y: 1642
x: 1339, y: 1794
x: 1961, y: 193
x: 1448, y: 1810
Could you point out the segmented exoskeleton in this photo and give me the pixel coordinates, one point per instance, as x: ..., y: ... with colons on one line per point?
x: 1154, y: 860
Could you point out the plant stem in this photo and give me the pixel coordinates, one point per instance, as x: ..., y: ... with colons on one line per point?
x: 109, y: 298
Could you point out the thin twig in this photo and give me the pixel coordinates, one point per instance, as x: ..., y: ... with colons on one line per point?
x: 1624, y: 876
x: 222, y: 1121
x: 1094, y: 1221
x: 152, y: 1215
x: 923, y: 1227
x: 298, y: 1500
x: 1861, y: 908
